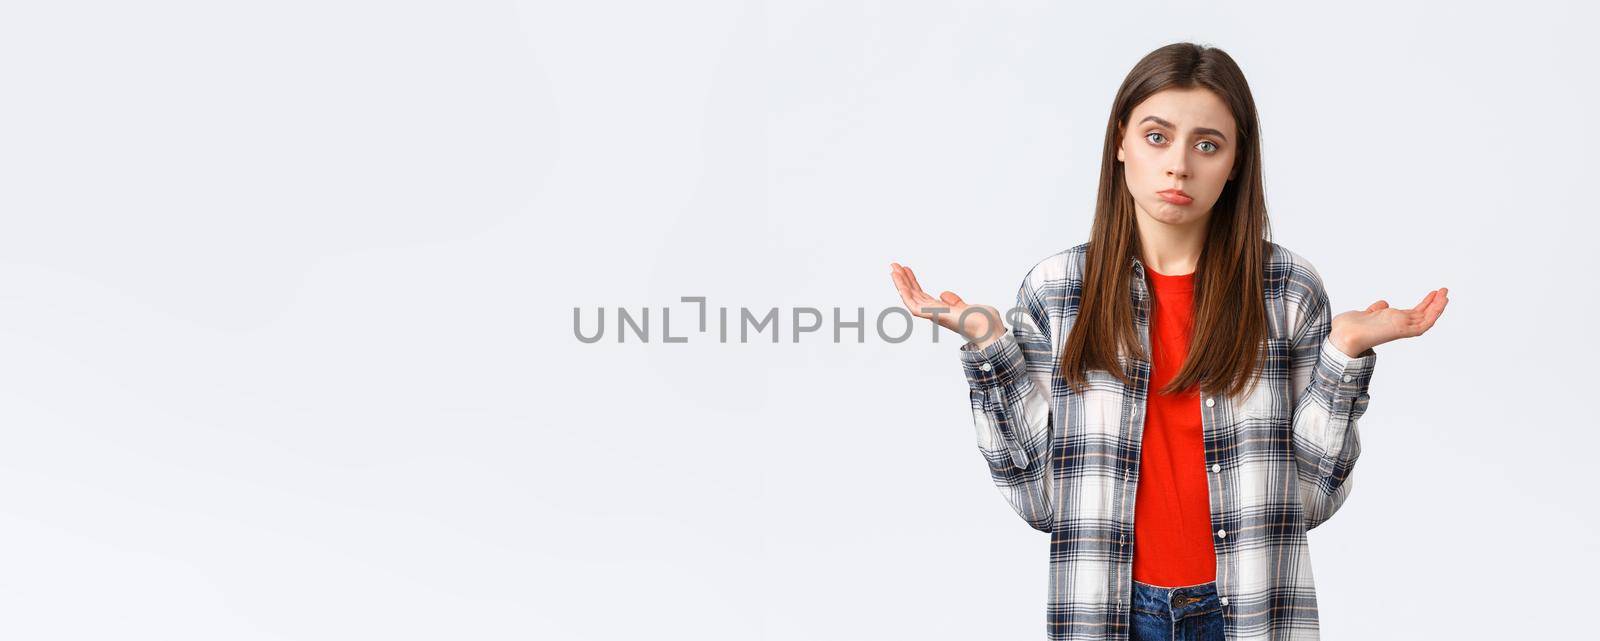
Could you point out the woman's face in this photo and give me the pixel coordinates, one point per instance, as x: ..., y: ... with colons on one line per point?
x: 1178, y: 139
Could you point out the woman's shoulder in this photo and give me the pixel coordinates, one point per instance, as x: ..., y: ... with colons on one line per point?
x: 1058, y: 268
x: 1294, y: 286
x: 1291, y: 272
x: 1282, y: 257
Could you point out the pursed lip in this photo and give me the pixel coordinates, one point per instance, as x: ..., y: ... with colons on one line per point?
x: 1175, y: 196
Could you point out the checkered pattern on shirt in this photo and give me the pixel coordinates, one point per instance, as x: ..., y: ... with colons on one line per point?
x: 1278, y: 457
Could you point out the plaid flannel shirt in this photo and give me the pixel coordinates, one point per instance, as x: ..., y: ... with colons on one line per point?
x: 1278, y: 457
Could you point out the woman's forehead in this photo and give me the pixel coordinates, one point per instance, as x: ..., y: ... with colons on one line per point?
x: 1185, y: 109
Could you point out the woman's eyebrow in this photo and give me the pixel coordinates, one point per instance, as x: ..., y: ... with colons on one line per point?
x: 1198, y: 130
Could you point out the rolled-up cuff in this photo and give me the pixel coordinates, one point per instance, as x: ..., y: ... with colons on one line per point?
x: 1341, y: 379
x: 1000, y: 364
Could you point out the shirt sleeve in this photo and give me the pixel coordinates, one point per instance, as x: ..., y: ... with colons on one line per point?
x: 1009, y: 388
x: 1330, y: 396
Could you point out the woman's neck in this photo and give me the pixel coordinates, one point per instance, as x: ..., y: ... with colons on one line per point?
x: 1169, y: 250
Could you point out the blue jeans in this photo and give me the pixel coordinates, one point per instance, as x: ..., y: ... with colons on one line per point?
x: 1187, y: 613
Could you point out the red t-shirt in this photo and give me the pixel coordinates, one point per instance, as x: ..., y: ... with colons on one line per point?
x: 1172, y: 513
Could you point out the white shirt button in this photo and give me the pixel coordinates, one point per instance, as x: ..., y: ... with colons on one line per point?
x: 1211, y: 401
x: 1224, y: 600
x: 986, y: 367
x: 1216, y: 468
x: 1222, y: 534
x: 1346, y: 378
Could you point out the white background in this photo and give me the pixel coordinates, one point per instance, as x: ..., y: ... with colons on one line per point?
x: 286, y: 308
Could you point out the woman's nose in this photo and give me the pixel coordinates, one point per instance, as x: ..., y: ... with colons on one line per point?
x: 1177, y: 162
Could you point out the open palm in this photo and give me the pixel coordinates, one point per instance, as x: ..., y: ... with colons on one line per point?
x: 978, y: 323
x: 1379, y: 323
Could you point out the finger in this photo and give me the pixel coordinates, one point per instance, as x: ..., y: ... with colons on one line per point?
x: 916, y: 300
x: 905, y: 293
x: 951, y: 298
x: 1423, y: 304
x: 1439, y: 299
x: 901, y: 277
x: 1426, y: 316
x: 911, y: 289
x: 1436, y: 310
x: 900, y: 270
x: 1378, y: 305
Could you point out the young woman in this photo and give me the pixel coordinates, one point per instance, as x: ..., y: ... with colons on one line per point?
x: 1173, y: 400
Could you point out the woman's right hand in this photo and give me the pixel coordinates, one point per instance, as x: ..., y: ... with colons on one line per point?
x: 981, y: 326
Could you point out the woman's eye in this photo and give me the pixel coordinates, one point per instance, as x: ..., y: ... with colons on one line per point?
x: 1156, y: 134
x: 1212, y: 146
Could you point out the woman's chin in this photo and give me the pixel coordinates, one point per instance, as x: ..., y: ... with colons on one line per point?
x: 1172, y: 214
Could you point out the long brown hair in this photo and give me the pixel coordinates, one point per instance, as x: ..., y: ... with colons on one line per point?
x: 1230, y: 316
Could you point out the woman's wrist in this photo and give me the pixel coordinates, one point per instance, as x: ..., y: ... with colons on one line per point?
x: 1350, y: 347
x: 982, y: 342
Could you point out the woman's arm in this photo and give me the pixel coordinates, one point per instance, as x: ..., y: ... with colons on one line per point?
x: 1008, y: 372
x: 1009, y: 383
x: 1330, y: 395
x: 1331, y: 385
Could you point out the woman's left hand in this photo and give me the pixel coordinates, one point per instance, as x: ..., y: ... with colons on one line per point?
x: 1356, y: 331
